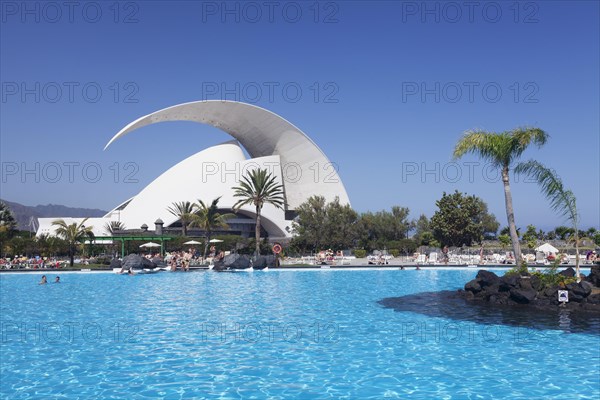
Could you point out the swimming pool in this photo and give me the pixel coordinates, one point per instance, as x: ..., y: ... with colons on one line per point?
x: 274, y: 334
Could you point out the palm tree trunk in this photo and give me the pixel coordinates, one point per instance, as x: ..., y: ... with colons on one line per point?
x: 577, y: 275
x: 71, y: 255
x: 257, y: 231
x: 510, y: 214
x: 184, y: 228
x: 206, y: 244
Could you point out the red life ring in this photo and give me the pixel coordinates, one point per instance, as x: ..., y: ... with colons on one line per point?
x: 277, y: 248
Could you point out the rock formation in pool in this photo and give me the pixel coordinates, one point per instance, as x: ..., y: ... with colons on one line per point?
x: 535, y: 289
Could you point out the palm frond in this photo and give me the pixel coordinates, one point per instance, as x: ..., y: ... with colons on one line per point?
x: 501, y: 149
x: 259, y: 187
x: 523, y: 137
x: 561, y: 200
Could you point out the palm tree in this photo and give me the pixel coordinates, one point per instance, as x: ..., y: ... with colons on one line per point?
x: 183, y: 210
x: 72, y: 234
x: 502, y: 150
x: 561, y: 200
x: 208, y: 218
x: 258, y: 187
x: 114, y: 226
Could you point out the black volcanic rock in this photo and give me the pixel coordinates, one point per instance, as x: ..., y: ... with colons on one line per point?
x: 594, y: 276
x: 568, y: 272
x: 263, y: 262
x: 134, y: 261
x: 509, y: 281
x: 594, y: 299
x: 473, y: 286
x: 522, y: 295
x: 460, y: 306
x: 232, y: 261
x: 487, y: 278
x: 515, y: 289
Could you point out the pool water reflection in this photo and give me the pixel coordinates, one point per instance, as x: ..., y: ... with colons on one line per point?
x: 278, y: 334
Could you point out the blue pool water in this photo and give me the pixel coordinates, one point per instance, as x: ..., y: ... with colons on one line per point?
x: 275, y: 334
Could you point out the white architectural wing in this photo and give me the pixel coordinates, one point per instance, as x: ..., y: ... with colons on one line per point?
x: 272, y: 143
x: 262, y: 133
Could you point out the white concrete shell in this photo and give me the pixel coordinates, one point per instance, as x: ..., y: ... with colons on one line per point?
x: 262, y: 133
x: 272, y: 142
x: 187, y: 182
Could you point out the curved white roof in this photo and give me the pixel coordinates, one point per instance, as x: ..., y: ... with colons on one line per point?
x: 206, y: 175
x: 262, y: 133
x: 272, y: 142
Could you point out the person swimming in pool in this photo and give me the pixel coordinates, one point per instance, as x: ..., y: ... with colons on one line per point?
x: 57, y: 280
x: 44, y: 280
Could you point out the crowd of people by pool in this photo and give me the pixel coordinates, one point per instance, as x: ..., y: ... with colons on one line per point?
x: 182, y: 260
x: 23, y: 262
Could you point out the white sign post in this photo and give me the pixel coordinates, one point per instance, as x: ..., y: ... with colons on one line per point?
x: 563, y: 296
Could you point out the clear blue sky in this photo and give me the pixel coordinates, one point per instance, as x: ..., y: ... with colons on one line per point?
x: 379, y: 83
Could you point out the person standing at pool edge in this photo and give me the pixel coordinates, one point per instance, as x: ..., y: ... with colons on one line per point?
x: 43, y: 281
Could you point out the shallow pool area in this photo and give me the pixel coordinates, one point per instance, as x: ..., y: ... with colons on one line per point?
x: 274, y: 334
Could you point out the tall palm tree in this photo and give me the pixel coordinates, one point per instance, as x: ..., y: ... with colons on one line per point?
x: 258, y: 187
x: 502, y: 150
x: 208, y: 218
x: 73, y: 233
x: 561, y: 200
x: 182, y: 210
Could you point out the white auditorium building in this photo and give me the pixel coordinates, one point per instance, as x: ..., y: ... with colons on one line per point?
x: 271, y: 142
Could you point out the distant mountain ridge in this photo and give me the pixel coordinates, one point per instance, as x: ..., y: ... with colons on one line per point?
x: 23, y: 213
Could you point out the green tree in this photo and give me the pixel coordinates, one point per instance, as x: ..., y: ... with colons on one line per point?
x: 459, y: 220
x: 208, y: 218
x: 489, y: 223
x: 48, y: 246
x: 506, y: 231
x: 504, y: 241
x: 8, y: 225
x: 562, y: 201
x: 73, y: 234
x: 258, y: 188
x: 341, y: 225
x: 427, y: 239
x: 377, y: 229
x: 502, y: 150
x: 421, y: 226
x: 400, y: 225
x: 530, y: 236
x: 309, y: 225
x: 324, y: 225
x: 183, y: 210
x: 563, y: 232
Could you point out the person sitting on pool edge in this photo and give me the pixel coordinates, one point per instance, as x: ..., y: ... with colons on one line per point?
x: 43, y: 281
